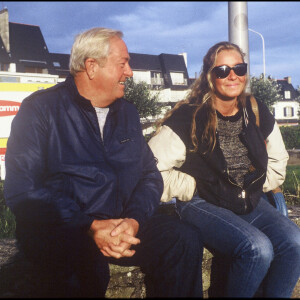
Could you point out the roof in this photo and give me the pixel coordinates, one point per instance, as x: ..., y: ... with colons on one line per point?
x: 28, y: 49
x: 62, y: 59
x: 173, y: 62
x: 286, y: 86
x: 4, y: 57
x: 27, y: 45
x: 163, y: 62
x: 144, y: 62
x: 60, y: 63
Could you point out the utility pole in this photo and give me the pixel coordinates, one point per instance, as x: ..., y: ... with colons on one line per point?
x: 238, y: 30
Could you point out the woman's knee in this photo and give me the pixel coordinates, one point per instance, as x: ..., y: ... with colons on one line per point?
x: 266, y: 251
x: 290, y: 246
x: 259, y: 249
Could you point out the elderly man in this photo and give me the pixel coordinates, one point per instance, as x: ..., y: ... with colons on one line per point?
x: 84, y: 186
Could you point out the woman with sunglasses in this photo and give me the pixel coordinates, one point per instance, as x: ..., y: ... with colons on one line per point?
x: 216, y: 162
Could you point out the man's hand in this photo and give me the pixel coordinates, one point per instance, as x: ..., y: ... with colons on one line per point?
x: 114, y: 237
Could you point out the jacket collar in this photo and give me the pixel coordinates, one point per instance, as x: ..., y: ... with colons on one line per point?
x: 85, y: 103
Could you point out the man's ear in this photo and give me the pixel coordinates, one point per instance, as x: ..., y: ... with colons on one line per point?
x: 91, y: 66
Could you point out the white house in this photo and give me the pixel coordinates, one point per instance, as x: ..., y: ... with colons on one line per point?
x: 286, y: 110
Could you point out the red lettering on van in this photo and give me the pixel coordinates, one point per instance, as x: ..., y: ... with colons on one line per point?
x: 9, y: 108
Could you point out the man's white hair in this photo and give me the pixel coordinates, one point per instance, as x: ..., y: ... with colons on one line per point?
x: 93, y: 43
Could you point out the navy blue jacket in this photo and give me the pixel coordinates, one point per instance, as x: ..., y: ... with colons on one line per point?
x: 60, y: 171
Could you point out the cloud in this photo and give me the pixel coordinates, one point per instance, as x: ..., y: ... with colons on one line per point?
x: 156, y: 27
x: 191, y: 27
x: 278, y: 22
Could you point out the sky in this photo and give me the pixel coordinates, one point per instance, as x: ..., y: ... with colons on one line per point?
x: 173, y: 27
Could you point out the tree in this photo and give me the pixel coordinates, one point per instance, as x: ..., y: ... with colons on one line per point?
x: 140, y: 95
x: 267, y: 91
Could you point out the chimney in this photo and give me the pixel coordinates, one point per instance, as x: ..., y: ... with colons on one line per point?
x: 4, y: 28
x: 288, y: 79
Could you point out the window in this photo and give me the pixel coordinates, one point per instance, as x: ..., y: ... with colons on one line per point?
x: 33, y: 70
x: 287, y: 95
x: 139, y: 76
x: 4, y: 67
x: 56, y: 64
x: 178, y: 78
x: 288, y: 111
x: 156, y: 78
x: 9, y: 79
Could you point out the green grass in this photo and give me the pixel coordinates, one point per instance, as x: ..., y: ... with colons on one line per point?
x: 291, y: 185
x: 290, y: 188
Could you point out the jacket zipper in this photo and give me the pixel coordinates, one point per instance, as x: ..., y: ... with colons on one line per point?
x: 243, y: 192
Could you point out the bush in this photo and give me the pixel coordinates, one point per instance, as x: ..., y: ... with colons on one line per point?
x: 291, y: 136
x: 140, y: 95
x: 7, y: 218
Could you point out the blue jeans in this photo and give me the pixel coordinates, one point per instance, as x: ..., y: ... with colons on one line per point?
x: 262, y: 246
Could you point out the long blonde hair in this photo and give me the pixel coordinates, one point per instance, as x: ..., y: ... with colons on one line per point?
x: 203, y: 94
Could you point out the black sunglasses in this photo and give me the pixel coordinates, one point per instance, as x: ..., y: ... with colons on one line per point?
x: 223, y: 71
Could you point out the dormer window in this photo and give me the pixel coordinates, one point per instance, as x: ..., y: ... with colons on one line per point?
x: 287, y: 95
x: 178, y: 78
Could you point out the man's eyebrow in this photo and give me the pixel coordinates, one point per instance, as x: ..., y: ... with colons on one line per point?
x: 125, y: 58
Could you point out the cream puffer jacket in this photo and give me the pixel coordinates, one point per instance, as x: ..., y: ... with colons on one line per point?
x: 183, y: 172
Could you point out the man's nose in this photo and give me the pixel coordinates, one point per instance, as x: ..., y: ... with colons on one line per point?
x: 128, y: 72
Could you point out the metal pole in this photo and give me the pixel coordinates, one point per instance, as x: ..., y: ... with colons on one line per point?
x: 263, y: 46
x: 238, y: 30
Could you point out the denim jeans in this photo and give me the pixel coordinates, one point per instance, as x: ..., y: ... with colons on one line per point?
x: 263, y: 247
x: 170, y: 254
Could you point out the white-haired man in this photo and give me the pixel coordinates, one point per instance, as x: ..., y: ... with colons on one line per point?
x: 84, y: 186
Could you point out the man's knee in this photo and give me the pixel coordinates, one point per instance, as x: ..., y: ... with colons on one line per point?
x: 171, y: 228
x: 187, y: 233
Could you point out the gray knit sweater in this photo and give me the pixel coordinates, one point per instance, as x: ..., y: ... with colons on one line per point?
x: 235, y: 153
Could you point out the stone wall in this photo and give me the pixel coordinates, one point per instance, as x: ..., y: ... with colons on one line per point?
x: 294, y: 157
x: 20, y: 279
x: 128, y: 282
